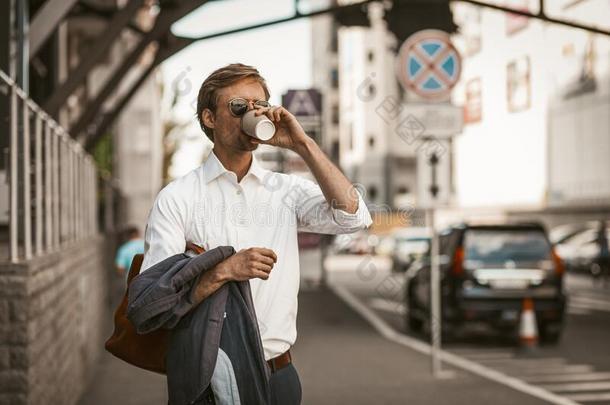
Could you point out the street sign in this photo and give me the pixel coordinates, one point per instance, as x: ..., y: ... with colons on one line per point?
x: 433, y: 191
x: 441, y: 120
x: 303, y: 102
x: 428, y: 64
x: 306, y: 106
x: 433, y: 173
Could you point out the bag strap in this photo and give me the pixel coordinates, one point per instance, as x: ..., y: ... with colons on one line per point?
x: 195, y: 248
x: 136, y: 263
x: 134, y: 269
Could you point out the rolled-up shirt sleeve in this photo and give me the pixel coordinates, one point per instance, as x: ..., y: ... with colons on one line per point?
x: 165, y: 228
x: 315, y: 214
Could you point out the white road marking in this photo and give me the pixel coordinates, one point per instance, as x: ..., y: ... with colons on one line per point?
x: 575, y: 310
x: 569, y: 377
x: 602, y: 396
x: 479, y: 351
x: 490, y: 356
x: 582, y: 302
x: 571, y: 369
x: 389, y: 333
x: 388, y: 306
x: 579, y: 386
x: 542, y: 363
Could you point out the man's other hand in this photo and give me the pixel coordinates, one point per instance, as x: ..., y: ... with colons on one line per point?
x: 254, y: 262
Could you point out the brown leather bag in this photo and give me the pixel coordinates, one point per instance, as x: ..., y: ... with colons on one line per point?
x: 148, y: 350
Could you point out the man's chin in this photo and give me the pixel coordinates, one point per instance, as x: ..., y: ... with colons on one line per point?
x: 249, y: 141
x: 249, y: 145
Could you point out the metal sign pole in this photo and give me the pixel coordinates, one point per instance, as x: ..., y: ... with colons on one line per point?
x: 426, y: 54
x: 324, y: 242
x: 435, y: 299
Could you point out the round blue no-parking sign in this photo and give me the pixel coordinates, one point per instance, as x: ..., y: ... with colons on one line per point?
x: 428, y: 64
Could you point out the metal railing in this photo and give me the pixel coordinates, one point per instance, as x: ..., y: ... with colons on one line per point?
x: 52, y: 181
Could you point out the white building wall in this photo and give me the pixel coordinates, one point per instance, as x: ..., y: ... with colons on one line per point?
x: 579, y: 126
x: 503, y: 160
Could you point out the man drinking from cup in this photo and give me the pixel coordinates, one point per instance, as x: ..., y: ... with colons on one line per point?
x: 232, y: 200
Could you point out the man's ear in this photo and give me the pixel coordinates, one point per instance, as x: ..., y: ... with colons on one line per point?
x: 208, y: 118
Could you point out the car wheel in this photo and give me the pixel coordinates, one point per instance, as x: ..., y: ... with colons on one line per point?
x: 550, y: 334
x: 595, y: 270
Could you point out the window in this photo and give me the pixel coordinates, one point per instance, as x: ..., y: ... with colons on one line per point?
x: 351, y: 137
x: 518, y: 84
x: 372, y: 193
x: 335, y: 114
x: 372, y: 90
x: 334, y: 78
x: 473, y: 105
x: 516, y: 22
x: 497, y: 246
x: 334, y: 151
x: 334, y: 37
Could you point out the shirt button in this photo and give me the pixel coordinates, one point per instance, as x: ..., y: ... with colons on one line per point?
x: 238, y: 192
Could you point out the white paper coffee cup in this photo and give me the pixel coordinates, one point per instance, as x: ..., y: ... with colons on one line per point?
x: 259, y: 127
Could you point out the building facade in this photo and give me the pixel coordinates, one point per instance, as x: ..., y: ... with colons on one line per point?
x: 536, y: 100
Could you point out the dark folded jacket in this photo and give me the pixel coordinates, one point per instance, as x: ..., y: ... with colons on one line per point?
x: 161, y: 297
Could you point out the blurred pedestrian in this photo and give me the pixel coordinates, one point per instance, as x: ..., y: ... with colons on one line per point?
x: 603, y: 258
x: 132, y: 245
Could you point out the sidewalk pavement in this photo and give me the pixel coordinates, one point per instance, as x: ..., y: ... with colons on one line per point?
x: 340, y: 359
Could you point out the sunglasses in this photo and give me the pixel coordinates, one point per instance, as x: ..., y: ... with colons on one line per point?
x: 238, y: 106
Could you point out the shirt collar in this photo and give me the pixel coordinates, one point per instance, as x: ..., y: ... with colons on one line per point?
x: 213, y: 167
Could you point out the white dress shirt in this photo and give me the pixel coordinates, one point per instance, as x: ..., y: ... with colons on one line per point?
x: 209, y: 207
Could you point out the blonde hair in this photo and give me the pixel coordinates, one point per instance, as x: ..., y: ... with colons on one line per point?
x: 220, y: 78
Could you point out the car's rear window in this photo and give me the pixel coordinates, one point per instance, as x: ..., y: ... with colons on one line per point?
x: 502, y: 245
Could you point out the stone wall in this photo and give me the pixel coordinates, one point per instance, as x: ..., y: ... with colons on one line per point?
x: 53, y: 315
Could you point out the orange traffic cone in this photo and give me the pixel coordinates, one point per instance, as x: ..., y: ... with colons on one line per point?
x: 528, y: 331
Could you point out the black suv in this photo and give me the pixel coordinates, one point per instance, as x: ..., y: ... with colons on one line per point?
x: 486, y: 271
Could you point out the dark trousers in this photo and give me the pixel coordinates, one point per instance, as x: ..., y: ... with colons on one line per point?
x: 285, y: 388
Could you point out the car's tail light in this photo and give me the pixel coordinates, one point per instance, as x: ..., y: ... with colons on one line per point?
x: 457, y: 266
x: 559, y: 267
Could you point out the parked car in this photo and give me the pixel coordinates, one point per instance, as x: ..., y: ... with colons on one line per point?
x: 385, y: 246
x: 560, y: 234
x: 410, y: 244
x: 486, y: 271
x: 581, y: 250
x: 358, y: 243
